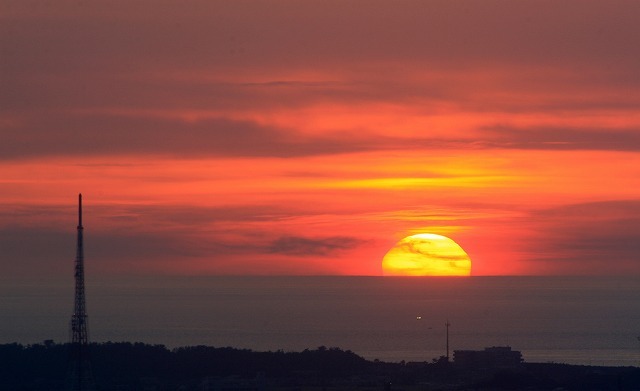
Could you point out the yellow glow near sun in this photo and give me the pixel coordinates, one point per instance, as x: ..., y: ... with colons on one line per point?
x: 426, y: 255
x: 411, y: 183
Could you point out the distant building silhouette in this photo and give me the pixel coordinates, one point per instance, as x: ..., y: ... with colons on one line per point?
x: 495, y: 357
x: 79, y: 377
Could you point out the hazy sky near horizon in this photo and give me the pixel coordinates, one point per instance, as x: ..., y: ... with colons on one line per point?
x: 307, y: 137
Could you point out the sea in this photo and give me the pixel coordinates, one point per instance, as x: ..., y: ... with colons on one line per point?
x: 574, y: 320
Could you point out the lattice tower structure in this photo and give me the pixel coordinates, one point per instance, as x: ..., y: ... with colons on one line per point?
x: 80, y: 377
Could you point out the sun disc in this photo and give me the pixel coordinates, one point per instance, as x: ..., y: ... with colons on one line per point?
x: 426, y: 255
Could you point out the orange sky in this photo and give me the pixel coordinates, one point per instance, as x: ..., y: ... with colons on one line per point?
x: 286, y: 137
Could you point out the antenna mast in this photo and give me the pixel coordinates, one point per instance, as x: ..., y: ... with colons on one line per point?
x: 79, y: 332
x: 79, y: 376
x: 447, y: 324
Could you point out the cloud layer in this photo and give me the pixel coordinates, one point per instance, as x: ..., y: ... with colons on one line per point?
x: 309, y: 137
x: 240, y: 81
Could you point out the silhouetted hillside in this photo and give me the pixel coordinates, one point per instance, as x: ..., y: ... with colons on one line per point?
x: 136, y: 366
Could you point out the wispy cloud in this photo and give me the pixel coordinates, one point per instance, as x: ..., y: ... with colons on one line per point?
x: 116, y: 135
x: 301, y: 246
x: 581, y: 238
x: 564, y: 138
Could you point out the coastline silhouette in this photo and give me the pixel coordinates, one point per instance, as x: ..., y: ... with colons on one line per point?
x: 138, y: 366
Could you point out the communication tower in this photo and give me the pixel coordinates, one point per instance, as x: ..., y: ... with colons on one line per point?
x: 79, y: 377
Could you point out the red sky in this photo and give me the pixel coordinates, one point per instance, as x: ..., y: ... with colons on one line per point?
x: 307, y: 137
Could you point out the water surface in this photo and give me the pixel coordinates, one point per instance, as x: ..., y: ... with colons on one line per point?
x: 579, y: 320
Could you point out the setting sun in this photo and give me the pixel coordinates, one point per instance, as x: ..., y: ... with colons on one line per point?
x: 426, y: 255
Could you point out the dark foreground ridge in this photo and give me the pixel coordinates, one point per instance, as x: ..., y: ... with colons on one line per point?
x: 136, y: 366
